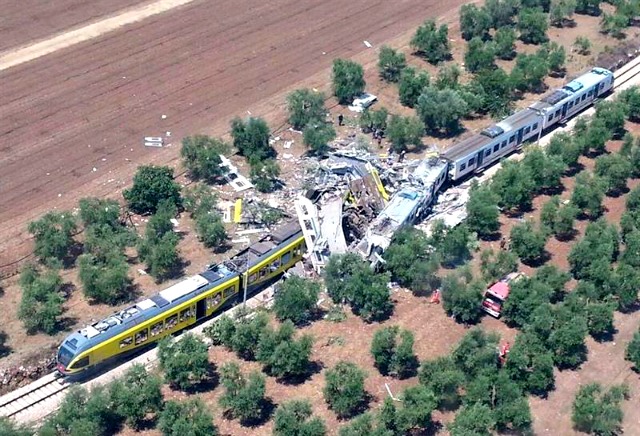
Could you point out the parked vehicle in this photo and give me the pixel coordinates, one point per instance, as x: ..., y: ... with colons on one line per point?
x: 497, y: 294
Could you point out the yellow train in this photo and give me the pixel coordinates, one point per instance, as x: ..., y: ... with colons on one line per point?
x: 183, y: 304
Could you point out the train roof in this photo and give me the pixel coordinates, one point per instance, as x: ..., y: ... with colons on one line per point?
x: 518, y: 120
x: 585, y: 81
x: 466, y: 146
x: 182, y: 291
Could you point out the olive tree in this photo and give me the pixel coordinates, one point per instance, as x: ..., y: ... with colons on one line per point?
x: 404, y: 131
x: 151, y: 185
x: 136, y: 395
x: 632, y: 353
x: 344, y: 389
x: 305, y: 105
x: 243, y: 396
x: 201, y: 157
x: 432, y: 43
x: 348, y: 80
x: 53, y: 235
x: 296, y: 299
x: 185, y: 362
x: 41, y: 303
x: 597, y: 411
x: 392, y: 351
x: 527, y: 242
x: 251, y: 138
x: 186, y: 417
x: 390, y: 64
x: 295, y: 418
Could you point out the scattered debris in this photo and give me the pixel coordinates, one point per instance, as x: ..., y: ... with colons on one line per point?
x: 368, y: 44
x: 237, y: 181
x: 164, y: 117
x: 142, y: 272
x: 174, y: 222
x: 244, y: 240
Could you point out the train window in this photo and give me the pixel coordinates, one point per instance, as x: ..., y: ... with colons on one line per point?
x: 229, y: 292
x: 275, y: 265
x: 142, y: 336
x: 463, y: 167
x: 550, y: 117
x: 157, y: 328
x: 583, y: 97
x: 527, y: 130
x: 185, y: 314
x: 558, y: 113
x: 504, y: 144
x: 172, y: 321
x: 286, y: 258
x: 214, y: 300
x: 252, y: 278
x: 487, y: 152
x: 570, y: 105
x: 535, y: 126
x: 496, y: 147
x: 471, y: 161
x: 81, y: 363
x: 126, y: 342
x: 512, y: 139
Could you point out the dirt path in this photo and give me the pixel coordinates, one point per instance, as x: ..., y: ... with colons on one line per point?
x: 85, y: 33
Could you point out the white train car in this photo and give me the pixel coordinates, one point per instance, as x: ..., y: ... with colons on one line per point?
x: 482, y: 149
x: 575, y: 96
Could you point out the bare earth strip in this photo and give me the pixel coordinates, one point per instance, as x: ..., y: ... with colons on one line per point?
x: 85, y: 33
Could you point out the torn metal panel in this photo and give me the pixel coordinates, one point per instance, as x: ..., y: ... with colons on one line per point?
x: 409, y: 204
x: 237, y: 181
x: 331, y: 226
x: 310, y: 225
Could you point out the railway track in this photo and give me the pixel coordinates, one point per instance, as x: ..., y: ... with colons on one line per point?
x: 45, y: 389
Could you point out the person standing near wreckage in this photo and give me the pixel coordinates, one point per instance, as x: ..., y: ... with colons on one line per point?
x: 340, y: 119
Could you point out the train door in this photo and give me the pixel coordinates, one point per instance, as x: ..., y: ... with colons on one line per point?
x: 480, y: 158
x: 201, y: 308
x: 564, y: 109
x: 519, y: 140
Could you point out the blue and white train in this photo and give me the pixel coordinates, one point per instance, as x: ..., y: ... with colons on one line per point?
x: 479, y: 151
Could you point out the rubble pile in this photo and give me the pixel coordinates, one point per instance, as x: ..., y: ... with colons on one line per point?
x: 12, y: 378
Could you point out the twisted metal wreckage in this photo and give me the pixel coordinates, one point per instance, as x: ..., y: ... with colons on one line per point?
x: 361, y: 200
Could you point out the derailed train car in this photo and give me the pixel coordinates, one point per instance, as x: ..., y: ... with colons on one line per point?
x: 479, y: 151
x: 183, y: 304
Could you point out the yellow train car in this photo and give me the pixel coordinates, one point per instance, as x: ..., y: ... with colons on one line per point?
x: 183, y: 304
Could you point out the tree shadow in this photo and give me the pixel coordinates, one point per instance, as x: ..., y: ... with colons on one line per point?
x: 209, y: 383
x: 567, y: 237
x: 359, y: 409
x: 267, y: 407
x: 67, y: 289
x: 411, y: 370
x: 75, y: 250
x: 535, y: 263
x: 574, y: 169
x: 631, y: 308
x: 491, y: 237
x: 313, y: 368
x: 66, y: 323
x: 5, y: 350
x: 605, y: 336
x: 616, y: 193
